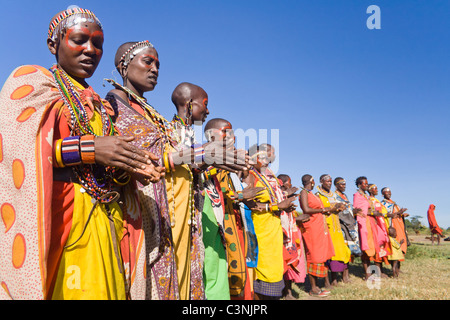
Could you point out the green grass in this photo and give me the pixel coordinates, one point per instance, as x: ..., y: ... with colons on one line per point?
x: 425, y: 276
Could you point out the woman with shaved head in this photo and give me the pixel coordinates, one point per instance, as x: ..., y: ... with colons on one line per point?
x: 138, y: 64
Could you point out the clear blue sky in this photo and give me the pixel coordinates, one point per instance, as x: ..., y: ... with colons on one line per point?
x: 347, y: 100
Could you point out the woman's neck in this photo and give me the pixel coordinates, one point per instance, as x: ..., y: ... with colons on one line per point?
x: 136, y: 91
x: 79, y: 82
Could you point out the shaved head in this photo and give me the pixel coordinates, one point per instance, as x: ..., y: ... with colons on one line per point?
x: 306, y: 179
x: 121, y: 50
x: 216, y: 123
x: 184, y: 92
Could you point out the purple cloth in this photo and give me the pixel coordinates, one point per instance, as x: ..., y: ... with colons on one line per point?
x: 336, y: 266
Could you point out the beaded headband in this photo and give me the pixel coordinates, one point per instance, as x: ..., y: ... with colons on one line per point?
x: 68, y: 13
x: 372, y: 186
x: 137, y: 47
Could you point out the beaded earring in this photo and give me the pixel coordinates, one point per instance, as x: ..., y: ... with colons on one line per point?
x: 189, y: 114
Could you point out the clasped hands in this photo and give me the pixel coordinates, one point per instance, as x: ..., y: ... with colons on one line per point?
x: 117, y: 151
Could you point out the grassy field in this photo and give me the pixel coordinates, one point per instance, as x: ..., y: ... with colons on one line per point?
x: 425, y: 276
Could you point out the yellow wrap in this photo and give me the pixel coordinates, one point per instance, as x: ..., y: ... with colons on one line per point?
x: 178, y: 185
x: 92, y: 268
x: 270, y: 242
x: 341, y: 250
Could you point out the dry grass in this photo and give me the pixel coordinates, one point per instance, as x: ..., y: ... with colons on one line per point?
x: 425, y: 276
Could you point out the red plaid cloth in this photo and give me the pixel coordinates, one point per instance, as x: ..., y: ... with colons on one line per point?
x: 317, y: 269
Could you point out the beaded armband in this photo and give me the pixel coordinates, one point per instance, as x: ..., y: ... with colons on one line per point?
x: 87, y: 149
x: 70, y: 151
x: 199, y: 153
x: 273, y: 208
x: 238, y: 196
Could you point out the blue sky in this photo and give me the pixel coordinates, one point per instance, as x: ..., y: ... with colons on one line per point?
x: 348, y: 101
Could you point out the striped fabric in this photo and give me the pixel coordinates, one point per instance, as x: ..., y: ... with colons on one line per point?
x: 87, y: 149
x: 271, y: 289
x: 70, y: 151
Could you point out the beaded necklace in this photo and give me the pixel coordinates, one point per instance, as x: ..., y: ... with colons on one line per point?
x: 168, y: 132
x: 184, y: 133
x: 260, y: 177
x: 96, y: 180
x: 342, y: 195
x: 363, y: 193
x: 177, y: 118
x: 157, y: 119
x: 328, y: 194
x: 80, y: 123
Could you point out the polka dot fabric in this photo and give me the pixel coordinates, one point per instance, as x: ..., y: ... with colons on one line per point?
x: 26, y: 177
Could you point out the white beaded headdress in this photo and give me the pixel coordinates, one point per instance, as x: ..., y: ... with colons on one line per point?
x: 134, y: 50
x: 69, y: 17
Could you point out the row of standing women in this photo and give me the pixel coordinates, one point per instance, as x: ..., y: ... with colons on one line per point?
x: 339, y: 230
x: 106, y: 199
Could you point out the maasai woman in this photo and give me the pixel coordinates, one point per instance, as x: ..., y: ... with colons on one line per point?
x: 294, y: 255
x: 138, y: 64
x: 269, y: 281
x: 191, y: 102
x: 235, y: 223
x: 348, y: 222
x: 316, y: 236
x: 382, y: 225
x: 396, y: 218
x: 178, y: 220
x: 337, y: 263
x: 367, y: 226
x: 60, y: 163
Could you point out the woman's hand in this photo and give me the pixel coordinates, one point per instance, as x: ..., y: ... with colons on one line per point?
x: 250, y: 193
x: 157, y: 173
x: 291, y: 192
x: 357, y: 211
x: 302, y: 218
x: 287, y: 205
x: 116, y: 151
x: 338, y: 207
x: 256, y: 206
x: 220, y: 155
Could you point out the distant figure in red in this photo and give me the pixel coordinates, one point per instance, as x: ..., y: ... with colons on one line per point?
x: 435, y: 230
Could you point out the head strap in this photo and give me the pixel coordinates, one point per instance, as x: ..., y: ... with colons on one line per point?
x: 134, y: 50
x: 66, y: 14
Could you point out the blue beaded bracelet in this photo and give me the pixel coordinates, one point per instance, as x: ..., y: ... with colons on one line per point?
x: 199, y: 153
x: 70, y: 151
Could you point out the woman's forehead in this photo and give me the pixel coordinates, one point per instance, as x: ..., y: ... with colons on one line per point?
x: 149, y: 51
